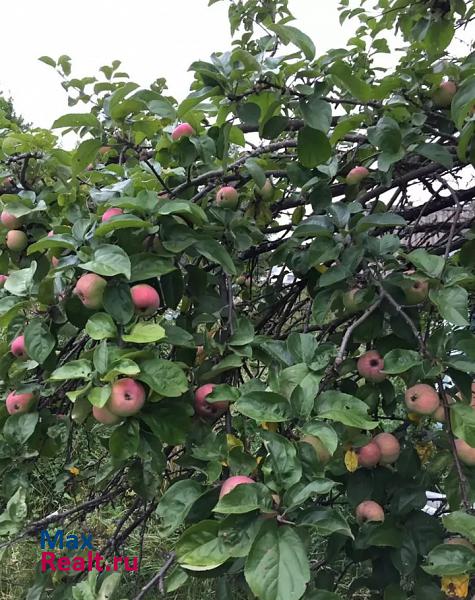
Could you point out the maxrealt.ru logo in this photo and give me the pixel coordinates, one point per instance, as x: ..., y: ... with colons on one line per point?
x: 90, y: 560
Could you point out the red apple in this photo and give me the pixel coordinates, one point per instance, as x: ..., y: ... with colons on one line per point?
x: 230, y: 483
x: 208, y: 409
x: 3, y: 279
x: 356, y: 175
x: 370, y: 366
x: 18, y: 349
x: 389, y: 447
x: 111, y: 212
x: 422, y: 399
x: 9, y: 220
x: 369, y: 511
x: 443, y: 96
x: 90, y: 289
x: 105, y: 416
x: 183, y: 130
x: 369, y: 455
x: 145, y: 299
x: 19, y: 403
x: 227, y: 197
x: 127, y: 397
x: 16, y: 240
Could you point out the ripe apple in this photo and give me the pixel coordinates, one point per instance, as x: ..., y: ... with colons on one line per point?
x: 370, y: 366
x: 183, y: 130
x: 105, y: 416
x: 356, y: 175
x: 9, y: 220
x: 321, y: 450
x: 19, y: 403
x: 16, y: 240
x: 127, y: 397
x: 230, y: 483
x: 111, y: 212
x: 206, y: 409
x: 54, y: 261
x: 90, y: 289
x: 3, y: 279
x: 227, y: 197
x: 266, y: 192
x: 422, y: 399
x: 368, y: 510
x: 442, y: 97
x: 369, y: 455
x: 389, y: 446
x: 465, y: 452
x: 417, y: 292
x: 145, y: 299
x: 18, y: 349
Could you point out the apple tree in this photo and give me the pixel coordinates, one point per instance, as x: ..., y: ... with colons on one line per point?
x: 246, y: 317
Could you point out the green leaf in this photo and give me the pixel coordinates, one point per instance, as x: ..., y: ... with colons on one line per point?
x: 98, y: 396
x: 463, y: 422
x: 19, y: 282
x: 380, y: 220
x: 463, y: 101
x: 76, y: 369
x: 125, y: 439
x: 282, y: 463
x: 317, y: 113
x: 198, y: 549
x: 358, y: 88
x: 386, y: 135
x: 101, y: 326
x: 196, y: 98
x: 163, y: 376
x: 256, y: 171
x: 215, y: 252
x: 289, y: 34
x: 144, y: 333
x: 20, y: 427
x: 245, y: 498
x: 109, y: 260
x: 452, y: 304
x: 186, y: 209
x: 124, y: 221
x: 175, y: 504
x: 398, y: 361
x: 324, y: 432
x: 53, y: 241
x: 345, y: 409
x: 118, y: 302
x: 436, y: 153
x: 147, y: 266
x: 325, y: 521
x: 39, y: 340
x: 84, y: 155
x: 76, y: 120
x: 243, y: 332
x: 460, y: 522
x: 430, y: 264
x: 301, y: 492
x: 450, y: 559
x: 313, y: 147
x: 264, y: 406
x: 277, y: 566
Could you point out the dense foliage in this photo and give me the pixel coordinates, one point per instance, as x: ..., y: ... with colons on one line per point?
x: 297, y: 232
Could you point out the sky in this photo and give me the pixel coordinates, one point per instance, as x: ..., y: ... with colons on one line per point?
x: 152, y: 38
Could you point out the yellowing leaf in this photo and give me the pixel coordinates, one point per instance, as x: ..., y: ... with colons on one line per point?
x: 414, y: 418
x: 269, y: 426
x: 425, y: 451
x: 351, y: 461
x: 233, y: 441
x: 321, y: 268
x: 455, y: 586
x: 74, y: 471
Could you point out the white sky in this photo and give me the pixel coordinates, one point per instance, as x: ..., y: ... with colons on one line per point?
x: 152, y: 38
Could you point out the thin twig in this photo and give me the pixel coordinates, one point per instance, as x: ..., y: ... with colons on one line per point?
x: 158, y: 578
